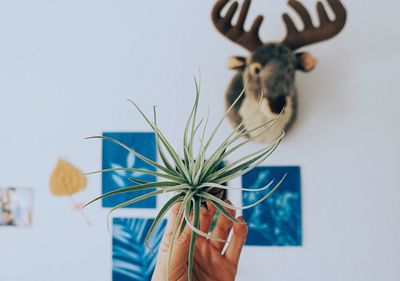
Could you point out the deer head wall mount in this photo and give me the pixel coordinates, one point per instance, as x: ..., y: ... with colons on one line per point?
x: 270, y: 69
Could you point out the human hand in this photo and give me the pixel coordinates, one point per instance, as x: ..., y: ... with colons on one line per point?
x: 208, y: 263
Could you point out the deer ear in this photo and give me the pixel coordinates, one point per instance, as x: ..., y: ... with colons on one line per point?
x: 305, y: 62
x: 237, y: 63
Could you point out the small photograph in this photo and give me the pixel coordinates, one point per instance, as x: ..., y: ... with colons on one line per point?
x: 277, y: 220
x: 16, y: 206
x: 115, y: 156
x: 132, y: 259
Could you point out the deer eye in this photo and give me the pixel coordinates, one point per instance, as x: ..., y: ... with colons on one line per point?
x: 255, y: 68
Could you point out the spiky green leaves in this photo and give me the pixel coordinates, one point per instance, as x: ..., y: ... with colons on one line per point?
x: 195, y: 178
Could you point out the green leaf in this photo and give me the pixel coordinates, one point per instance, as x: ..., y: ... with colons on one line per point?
x: 228, y: 140
x: 159, y: 147
x: 225, y: 212
x: 191, y: 120
x: 178, y: 220
x: 236, y: 166
x: 182, y: 227
x: 198, y: 167
x: 147, y: 172
x: 129, y: 202
x: 223, y: 118
x: 227, y: 168
x: 215, y: 185
x: 174, y: 155
x: 214, y: 199
x: 194, y: 130
x: 135, y: 200
x: 145, y: 159
x: 218, y: 156
x: 196, y: 217
x: 137, y: 181
x: 133, y: 188
x: 167, y: 206
x: 249, y: 168
x: 198, y: 231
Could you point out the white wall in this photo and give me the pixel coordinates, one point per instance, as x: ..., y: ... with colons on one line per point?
x: 67, y: 67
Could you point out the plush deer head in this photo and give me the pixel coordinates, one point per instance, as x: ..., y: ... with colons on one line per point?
x: 270, y: 69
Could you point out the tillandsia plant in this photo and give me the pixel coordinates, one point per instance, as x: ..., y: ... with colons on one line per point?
x: 196, y: 179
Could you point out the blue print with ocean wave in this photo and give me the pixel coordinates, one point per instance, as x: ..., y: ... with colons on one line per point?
x: 132, y: 259
x: 277, y: 220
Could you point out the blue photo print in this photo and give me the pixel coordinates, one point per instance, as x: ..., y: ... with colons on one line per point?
x: 115, y: 156
x: 277, y: 220
x: 132, y: 259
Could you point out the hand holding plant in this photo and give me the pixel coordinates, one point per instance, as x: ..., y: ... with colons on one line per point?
x: 195, y: 181
x: 209, y: 263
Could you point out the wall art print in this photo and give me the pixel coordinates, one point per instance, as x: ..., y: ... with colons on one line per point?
x: 16, y: 206
x: 132, y: 259
x: 115, y: 156
x: 66, y: 181
x: 277, y: 220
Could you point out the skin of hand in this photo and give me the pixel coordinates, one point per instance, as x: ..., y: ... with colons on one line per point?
x: 209, y: 264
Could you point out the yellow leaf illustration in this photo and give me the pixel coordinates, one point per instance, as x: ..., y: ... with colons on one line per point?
x: 66, y: 179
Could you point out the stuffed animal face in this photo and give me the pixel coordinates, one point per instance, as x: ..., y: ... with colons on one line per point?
x: 269, y: 70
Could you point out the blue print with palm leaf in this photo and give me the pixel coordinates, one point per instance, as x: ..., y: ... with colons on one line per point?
x: 115, y: 156
x: 132, y: 259
x: 277, y: 220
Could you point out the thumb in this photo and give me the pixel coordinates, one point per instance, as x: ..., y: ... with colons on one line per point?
x: 180, y: 250
x: 180, y: 242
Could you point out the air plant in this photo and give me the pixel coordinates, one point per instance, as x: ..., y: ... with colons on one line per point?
x: 196, y: 179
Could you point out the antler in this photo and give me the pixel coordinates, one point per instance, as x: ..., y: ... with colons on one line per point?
x: 311, y: 34
x: 235, y: 32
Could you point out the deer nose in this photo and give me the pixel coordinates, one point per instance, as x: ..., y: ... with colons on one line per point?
x: 277, y: 103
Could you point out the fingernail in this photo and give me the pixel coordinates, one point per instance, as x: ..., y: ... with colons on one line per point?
x: 241, y: 219
x: 228, y: 201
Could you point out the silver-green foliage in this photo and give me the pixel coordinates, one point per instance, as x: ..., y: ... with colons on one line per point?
x: 196, y: 178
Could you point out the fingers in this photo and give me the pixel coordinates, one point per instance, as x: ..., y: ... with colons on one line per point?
x: 180, y: 249
x: 181, y: 244
x: 171, y: 223
x: 222, y: 228
x: 206, y: 217
x: 237, y: 241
